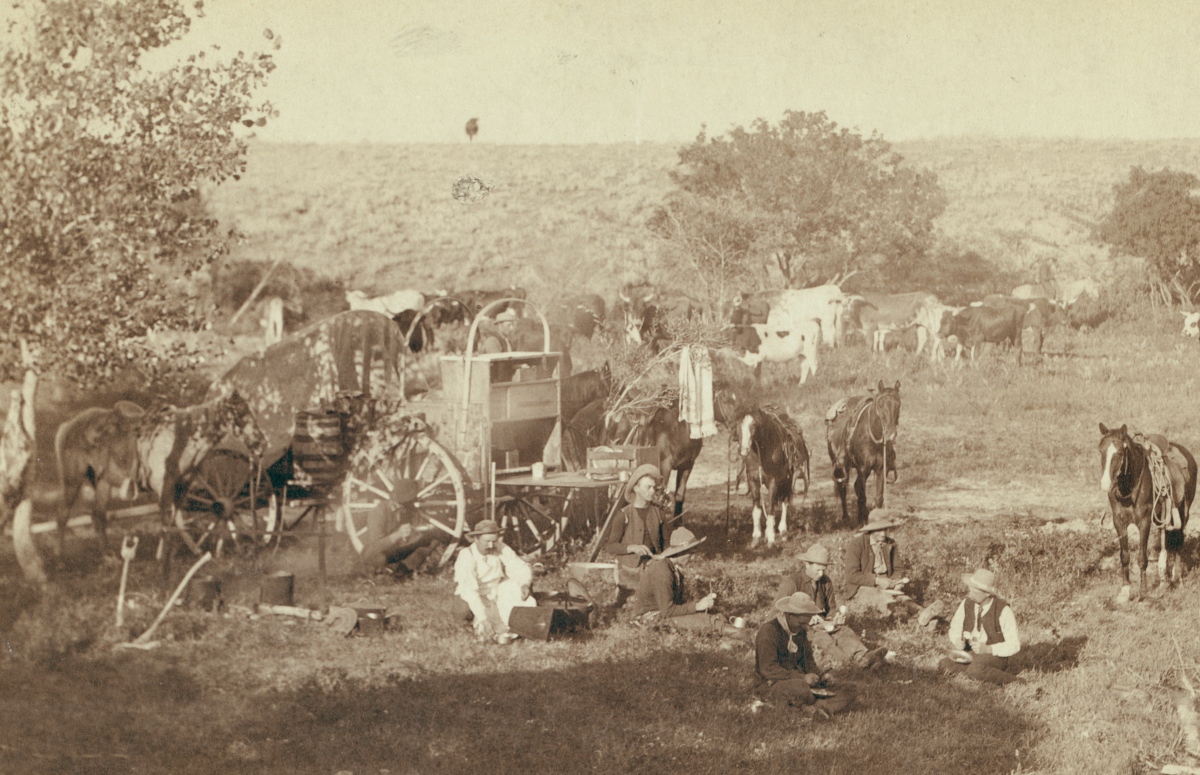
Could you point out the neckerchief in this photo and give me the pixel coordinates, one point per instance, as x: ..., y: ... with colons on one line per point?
x: 792, y: 647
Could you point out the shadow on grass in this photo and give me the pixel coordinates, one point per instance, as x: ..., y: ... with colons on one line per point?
x: 667, y: 712
x: 1050, y: 656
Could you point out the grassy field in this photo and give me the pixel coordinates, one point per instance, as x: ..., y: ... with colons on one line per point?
x: 998, y: 465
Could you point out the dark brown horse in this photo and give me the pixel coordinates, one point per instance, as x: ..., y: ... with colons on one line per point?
x: 1126, y: 474
x: 663, y: 429
x: 860, y: 433
x: 773, y: 450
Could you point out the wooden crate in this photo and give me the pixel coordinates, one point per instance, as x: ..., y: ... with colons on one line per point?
x: 608, y: 462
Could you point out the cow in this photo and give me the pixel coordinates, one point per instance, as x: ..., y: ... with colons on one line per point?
x: 756, y: 342
x: 630, y: 310
x: 1079, y: 289
x: 527, y: 335
x: 882, y: 314
x: 1033, y: 291
x: 975, y: 325
x: 582, y: 313
x: 1039, y: 316
x: 932, y: 317
x: 474, y: 301
x: 824, y: 304
x: 391, y: 305
x: 1191, y: 324
x: 422, y: 333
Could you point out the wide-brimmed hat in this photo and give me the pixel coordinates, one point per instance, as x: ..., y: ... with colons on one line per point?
x: 797, y: 603
x: 485, y: 527
x: 645, y: 469
x: 682, y: 540
x: 816, y: 554
x: 880, y: 519
x: 983, y: 580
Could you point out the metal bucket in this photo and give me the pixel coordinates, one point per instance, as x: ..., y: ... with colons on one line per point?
x: 277, y: 588
x: 204, y: 593
x: 371, y: 621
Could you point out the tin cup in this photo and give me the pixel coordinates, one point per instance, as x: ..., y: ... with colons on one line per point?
x: 538, y: 471
x: 738, y: 622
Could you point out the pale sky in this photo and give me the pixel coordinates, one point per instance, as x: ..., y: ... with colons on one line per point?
x: 558, y: 71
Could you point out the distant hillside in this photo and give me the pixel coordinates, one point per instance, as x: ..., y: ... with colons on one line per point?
x: 382, y: 217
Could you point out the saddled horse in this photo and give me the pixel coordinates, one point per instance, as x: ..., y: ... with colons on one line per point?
x: 662, y: 428
x: 775, y: 455
x: 1127, y: 475
x: 860, y: 433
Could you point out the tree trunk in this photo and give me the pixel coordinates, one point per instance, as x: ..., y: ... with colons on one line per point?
x: 16, y: 475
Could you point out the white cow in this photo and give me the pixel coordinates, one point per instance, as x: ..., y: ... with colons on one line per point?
x: 391, y: 305
x: 758, y: 343
x: 1191, y: 323
x: 1077, y: 289
x: 825, y: 304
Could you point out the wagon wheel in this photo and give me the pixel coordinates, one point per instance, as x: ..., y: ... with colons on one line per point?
x: 428, y: 480
x: 532, y: 518
x: 216, y: 506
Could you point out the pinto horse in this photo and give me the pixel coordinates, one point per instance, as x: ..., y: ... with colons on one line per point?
x: 774, y: 454
x: 860, y: 433
x: 1126, y: 475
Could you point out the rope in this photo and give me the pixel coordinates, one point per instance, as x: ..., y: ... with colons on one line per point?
x: 1163, y: 508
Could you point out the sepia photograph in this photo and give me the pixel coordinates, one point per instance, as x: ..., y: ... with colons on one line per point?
x: 418, y: 387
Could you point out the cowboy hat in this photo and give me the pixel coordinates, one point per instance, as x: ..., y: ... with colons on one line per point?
x: 983, y: 580
x: 682, y: 540
x: 644, y: 470
x: 879, y: 519
x: 798, y: 603
x: 816, y: 554
x: 485, y: 527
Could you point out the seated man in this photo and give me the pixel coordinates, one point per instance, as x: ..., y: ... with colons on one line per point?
x: 784, y: 661
x: 396, y: 539
x: 992, y: 637
x: 637, y: 530
x: 835, y: 641
x: 872, y: 581
x: 660, y: 594
x: 492, y: 580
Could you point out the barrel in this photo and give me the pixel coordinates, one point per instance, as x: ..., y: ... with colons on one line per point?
x: 318, y: 449
x: 277, y: 588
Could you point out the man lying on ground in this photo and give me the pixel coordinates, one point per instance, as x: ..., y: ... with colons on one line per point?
x: 492, y: 580
x: 836, y: 642
x: 660, y: 593
x: 784, y: 660
x: 985, y: 628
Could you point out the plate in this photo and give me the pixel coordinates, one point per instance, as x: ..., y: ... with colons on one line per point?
x: 823, y: 693
x: 961, y: 657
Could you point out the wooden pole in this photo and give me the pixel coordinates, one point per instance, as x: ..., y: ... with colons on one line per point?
x: 594, y: 552
x: 254, y: 293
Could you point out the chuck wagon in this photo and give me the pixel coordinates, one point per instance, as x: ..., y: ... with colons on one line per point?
x: 343, y: 438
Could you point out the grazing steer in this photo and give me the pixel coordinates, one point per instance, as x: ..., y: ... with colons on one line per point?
x: 932, y: 317
x: 527, y: 335
x: 582, y: 313
x: 756, y: 342
x: 824, y: 304
x: 1038, y: 316
x: 1079, y: 289
x: 1191, y: 324
x: 1033, y: 291
x: 391, y: 305
x: 885, y: 313
x: 975, y: 325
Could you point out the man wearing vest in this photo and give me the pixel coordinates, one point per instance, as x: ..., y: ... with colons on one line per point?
x: 836, y: 642
x: 872, y: 580
x: 637, y: 530
x: 986, y: 629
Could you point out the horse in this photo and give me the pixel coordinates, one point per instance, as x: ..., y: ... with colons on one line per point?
x: 860, y: 432
x: 774, y: 454
x: 1126, y: 475
x: 662, y: 428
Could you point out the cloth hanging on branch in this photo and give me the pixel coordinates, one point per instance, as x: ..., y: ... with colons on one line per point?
x: 696, y: 391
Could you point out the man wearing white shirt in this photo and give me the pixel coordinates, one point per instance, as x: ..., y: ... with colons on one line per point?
x: 492, y: 580
x: 985, y: 627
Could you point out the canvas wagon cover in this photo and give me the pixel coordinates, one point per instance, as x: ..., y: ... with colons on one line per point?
x: 351, y: 351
